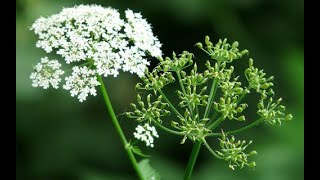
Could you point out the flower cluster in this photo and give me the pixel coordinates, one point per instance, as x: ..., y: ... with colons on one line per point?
x: 47, y: 73
x: 190, y: 127
x: 191, y: 96
x: 153, y: 111
x: 146, y: 133
x: 97, y: 37
x: 81, y: 83
x: 205, y: 109
x: 233, y: 152
x: 273, y: 112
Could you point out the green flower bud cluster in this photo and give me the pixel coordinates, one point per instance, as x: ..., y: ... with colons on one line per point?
x: 229, y: 108
x: 205, y: 109
x: 155, y: 80
x: 258, y: 81
x: 192, y: 83
x: 151, y: 111
x: 273, y: 112
x: 190, y: 127
x: 233, y: 152
x: 222, y: 51
x: 176, y: 63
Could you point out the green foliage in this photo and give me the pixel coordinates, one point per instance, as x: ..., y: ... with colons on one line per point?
x: 137, y: 150
x: 147, y: 171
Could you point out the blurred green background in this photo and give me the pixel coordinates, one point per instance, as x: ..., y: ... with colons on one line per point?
x: 59, y: 138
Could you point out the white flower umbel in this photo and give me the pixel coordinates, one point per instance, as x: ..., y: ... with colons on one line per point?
x: 98, y: 34
x: 46, y: 72
x: 139, y: 30
x: 146, y: 133
x: 82, y: 82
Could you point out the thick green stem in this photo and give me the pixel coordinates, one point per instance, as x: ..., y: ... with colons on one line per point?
x: 118, y: 128
x: 192, y: 160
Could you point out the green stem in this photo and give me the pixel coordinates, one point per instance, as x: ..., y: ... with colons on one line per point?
x: 170, y: 104
x: 238, y: 130
x: 213, y: 117
x: 216, y: 123
x: 168, y: 130
x: 197, y: 145
x: 192, y: 160
x: 197, y: 112
x: 211, y: 97
x: 118, y: 128
x: 212, y: 152
x: 183, y: 90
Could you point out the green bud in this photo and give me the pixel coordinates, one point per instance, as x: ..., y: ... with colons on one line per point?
x: 183, y: 73
x: 199, y: 45
x: 166, y: 68
x: 289, y: 117
x: 253, y: 153
x: 183, y: 140
x: 252, y: 164
x: 235, y: 44
x: 244, y: 52
x: 250, y: 62
x: 174, y: 55
x: 174, y: 124
x: 207, y: 41
x: 133, y: 105
x: 241, y: 118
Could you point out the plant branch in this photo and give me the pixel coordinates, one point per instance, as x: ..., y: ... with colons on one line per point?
x: 170, y: 104
x: 258, y: 121
x: 118, y: 128
x: 169, y: 130
x: 192, y: 160
x: 212, y: 152
x: 184, y: 91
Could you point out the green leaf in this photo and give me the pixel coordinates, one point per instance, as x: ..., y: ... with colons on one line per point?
x: 136, y: 150
x: 147, y: 171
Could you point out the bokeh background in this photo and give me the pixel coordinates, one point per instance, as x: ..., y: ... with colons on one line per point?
x: 59, y: 138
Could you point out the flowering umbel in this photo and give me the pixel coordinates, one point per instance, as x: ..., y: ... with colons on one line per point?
x: 204, y: 112
x: 47, y: 73
x: 97, y: 39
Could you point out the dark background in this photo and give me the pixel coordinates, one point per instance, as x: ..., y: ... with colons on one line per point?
x: 59, y: 138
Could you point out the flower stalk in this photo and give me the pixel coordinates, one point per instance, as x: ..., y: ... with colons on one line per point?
x: 116, y: 124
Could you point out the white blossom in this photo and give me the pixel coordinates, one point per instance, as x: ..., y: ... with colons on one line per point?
x: 98, y: 34
x: 46, y: 72
x: 146, y: 133
x: 82, y: 82
x: 139, y: 30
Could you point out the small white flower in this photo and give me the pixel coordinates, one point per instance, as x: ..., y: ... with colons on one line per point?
x: 139, y: 30
x: 146, y: 133
x: 46, y: 72
x: 82, y: 82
